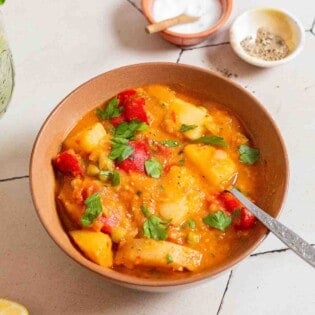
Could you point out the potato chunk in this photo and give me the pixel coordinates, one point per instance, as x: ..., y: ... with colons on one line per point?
x: 88, y: 139
x: 212, y: 163
x: 97, y: 246
x: 189, y: 114
x: 151, y: 253
x: 181, y: 197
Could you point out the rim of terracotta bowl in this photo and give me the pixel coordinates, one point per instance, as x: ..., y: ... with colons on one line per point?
x: 226, y: 13
x: 121, y: 278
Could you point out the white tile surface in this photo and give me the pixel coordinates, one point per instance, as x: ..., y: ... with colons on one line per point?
x: 59, y: 44
x: 278, y: 283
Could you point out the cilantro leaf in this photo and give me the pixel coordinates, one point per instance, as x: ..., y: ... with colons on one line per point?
x: 128, y: 130
x: 169, y: 259
x: 154, y: 227
x: 121, y: 150
x: 170, y: 143
x: 93, y: 209
x: 112, y: 110
x: 184, y: 127
x: 153, y: 167
x: 218, y: 220
x: 248, y: 155
x: 212, y: 140
x: 191, y: 223
x: 146, y: 212
x: 113, y: 176
x: 2, y: 2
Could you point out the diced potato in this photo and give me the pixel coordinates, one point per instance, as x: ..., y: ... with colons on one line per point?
x: 212, y: 163
x: 181, y: 197
x: 176, y: 210
x: 88, y: 139
x: 189, y: 114
x: 97, y: 246
x: 151, y: 253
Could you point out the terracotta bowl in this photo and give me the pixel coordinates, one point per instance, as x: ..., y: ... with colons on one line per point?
x: 88, y: 96
x: 181, y: 39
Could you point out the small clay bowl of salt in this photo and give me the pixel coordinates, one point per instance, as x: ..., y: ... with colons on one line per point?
x: 267, y: 37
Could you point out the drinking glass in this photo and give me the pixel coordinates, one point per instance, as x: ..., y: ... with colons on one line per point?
x: 6, y: 70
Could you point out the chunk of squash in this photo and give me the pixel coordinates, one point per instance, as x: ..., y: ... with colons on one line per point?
x: 151, y: 253
x: 97, y: 246
x: 215, y: 165
x: 88, y: 139
x: 189, y: 114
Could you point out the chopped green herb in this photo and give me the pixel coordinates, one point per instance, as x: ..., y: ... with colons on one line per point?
x: 218, y: 220
x: 154, y: 227
x: 145, y: 210
x: 181, y: 162
x: 169, y: 259
x: 153, y: 167
x: 191, y: 223
x: 184, y: 127
x: 2, y: 1
x: 248, y: 155
x: 121, y: 150
x: 113, y: 176
x: 170, y: 143
x: 212, y: 140
x: 93, y: 209
x: 112, y: 110
x: 128, y: 130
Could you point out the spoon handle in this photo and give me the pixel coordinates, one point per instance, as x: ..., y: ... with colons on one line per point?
x: 288, y: 237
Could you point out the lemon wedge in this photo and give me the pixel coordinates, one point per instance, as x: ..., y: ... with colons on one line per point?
x: 12, y: 308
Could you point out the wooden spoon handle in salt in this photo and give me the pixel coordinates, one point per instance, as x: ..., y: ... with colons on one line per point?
x: 180, y: 19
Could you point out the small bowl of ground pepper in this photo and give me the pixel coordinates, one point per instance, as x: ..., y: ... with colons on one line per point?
x: 267, y: 37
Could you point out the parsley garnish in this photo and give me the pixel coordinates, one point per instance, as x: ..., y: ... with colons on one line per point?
x: 113, y: 176
x: 212, y: 140
x: 112, y: 110
x: 93, y: 209
x: 191, y: 223
x: 153, y: 167
x: 218, y: 220
x: 184, y: 127
x: 153, y: 227
x: 121, y: 150
x: 145, y: 210
x: 248, y: 155
x: 169, y: 259
x: 128, y: 130
x: 170, y: 143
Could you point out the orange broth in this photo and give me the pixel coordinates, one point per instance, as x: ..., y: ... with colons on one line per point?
x: 181, y: 185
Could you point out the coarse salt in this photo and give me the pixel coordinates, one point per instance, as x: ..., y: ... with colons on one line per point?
x: 209, y: 12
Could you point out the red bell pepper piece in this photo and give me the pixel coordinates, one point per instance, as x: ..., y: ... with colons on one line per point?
x: 230, y: 203
x: 125, y: 95
x: 136, y: 161
x: 117, y: 120
x: 69, y: 163
x: 245, y: 220
x: 134, y: 109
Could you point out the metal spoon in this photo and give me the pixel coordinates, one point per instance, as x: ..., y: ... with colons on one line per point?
x: 287, y: 236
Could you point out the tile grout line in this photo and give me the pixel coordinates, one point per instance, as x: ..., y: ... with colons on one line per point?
x: 205, y: 46
x: 180, y: 55
x: 280, y: 250
x: 224, y: 293
x: 135, y: 6
x: 13, y: 178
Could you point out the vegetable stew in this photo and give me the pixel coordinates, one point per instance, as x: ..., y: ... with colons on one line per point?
x: 141, y: 182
